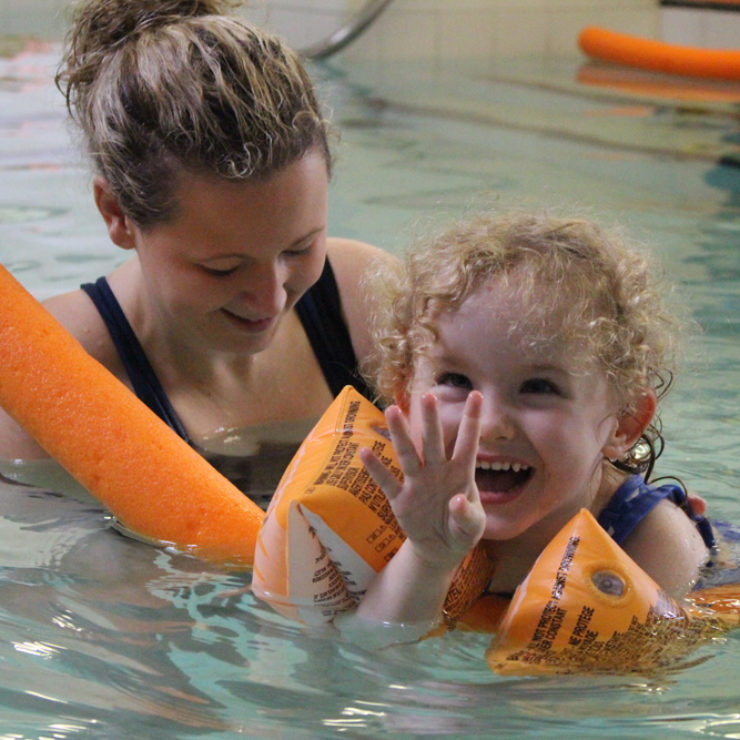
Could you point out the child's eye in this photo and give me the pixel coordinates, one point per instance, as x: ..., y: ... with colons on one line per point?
x: 539, y: 385
x: 455, y: 380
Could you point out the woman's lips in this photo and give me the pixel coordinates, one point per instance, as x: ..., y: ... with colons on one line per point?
x: 252, y: 326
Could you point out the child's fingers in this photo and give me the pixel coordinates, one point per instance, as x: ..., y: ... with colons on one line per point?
x: 380, y: 473
x: 434, y: 449
x: 467, y: 520
x: 468, y: 435
x: 402, y: 442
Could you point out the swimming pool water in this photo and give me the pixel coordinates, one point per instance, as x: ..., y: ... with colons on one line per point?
x: 103, y: 636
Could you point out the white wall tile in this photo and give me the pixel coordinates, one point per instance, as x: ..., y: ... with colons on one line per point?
x: 711, y: 29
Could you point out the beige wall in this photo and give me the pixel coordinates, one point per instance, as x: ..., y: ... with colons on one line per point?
x: 435, y: 29
x: 432, y: 29
x: 407, y: 28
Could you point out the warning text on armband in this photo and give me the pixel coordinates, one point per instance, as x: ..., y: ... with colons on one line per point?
x: 553, y: 615
x: 348, y: 427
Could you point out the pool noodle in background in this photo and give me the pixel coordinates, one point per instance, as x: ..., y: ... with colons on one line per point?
x: 152, y: 481
x: 620, y: 48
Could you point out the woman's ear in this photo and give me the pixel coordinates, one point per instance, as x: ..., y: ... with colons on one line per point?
x: 631, y: 424
x: 116, y: 221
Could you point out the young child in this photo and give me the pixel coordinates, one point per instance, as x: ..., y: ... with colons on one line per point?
x: 526, y: 356
x: 235, y: 317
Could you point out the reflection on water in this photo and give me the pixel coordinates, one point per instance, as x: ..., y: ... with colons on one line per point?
x: 105, y: 636
x: 111, y: 636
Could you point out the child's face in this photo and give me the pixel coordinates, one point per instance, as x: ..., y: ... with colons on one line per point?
x: 544, y: 428
x: 237, y: 257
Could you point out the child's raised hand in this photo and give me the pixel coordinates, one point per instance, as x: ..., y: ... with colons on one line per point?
x: 438, y: 504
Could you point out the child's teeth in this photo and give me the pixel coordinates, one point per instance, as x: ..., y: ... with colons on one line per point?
x: 516, y: 467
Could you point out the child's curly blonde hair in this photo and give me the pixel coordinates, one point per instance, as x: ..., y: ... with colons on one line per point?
x: 609, y: 302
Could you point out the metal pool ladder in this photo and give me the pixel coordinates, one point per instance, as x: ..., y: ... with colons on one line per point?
x: 347, y: 33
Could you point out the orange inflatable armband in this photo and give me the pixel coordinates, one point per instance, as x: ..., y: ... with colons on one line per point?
x: 587, y: 606
x: 329, y: 528
x: 114, y: 445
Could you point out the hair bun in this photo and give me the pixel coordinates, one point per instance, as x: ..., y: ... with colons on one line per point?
x: 98, y: 27
x: 101, y: 25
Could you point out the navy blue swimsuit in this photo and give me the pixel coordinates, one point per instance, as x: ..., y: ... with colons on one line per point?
x: 635, y: 499
x: 320, y: 313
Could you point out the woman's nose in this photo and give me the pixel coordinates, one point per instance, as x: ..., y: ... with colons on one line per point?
x: 264, y: 289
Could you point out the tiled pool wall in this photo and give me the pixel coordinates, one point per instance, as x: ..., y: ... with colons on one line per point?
x: 446, y: 29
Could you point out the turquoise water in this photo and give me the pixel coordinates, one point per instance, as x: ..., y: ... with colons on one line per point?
x: 103, y: 636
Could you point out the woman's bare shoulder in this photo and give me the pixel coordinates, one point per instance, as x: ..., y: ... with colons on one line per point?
x: 78, y: 315
x: 351, y: 261
x: 350, y: 258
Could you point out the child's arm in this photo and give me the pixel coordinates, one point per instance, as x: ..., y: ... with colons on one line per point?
x: 669, y: 548
x: 439, y: 509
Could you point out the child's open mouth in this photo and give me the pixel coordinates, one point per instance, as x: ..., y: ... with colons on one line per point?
x: 501, y: 477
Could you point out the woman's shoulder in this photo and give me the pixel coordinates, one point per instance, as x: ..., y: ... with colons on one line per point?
x: 350, y: 261
x: 350, y: 258
x: 76, y: 312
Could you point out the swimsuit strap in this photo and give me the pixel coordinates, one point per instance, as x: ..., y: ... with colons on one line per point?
x: 635, y: 499
x: 144, y: 380
x: 320, y: 312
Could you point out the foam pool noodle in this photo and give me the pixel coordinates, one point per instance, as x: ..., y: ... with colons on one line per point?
x: 152, y: 481
x: 659, y: 56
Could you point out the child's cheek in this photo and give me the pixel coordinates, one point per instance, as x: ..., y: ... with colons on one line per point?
x: 450, y: 417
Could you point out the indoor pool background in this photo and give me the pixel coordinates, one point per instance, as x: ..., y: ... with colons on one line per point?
x: 102, y: 636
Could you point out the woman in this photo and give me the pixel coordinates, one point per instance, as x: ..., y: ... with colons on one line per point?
x: 236, y: 318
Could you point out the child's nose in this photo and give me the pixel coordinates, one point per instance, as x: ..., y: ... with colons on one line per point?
x: 496, y: 419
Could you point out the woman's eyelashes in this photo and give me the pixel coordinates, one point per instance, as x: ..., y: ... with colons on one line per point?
x: 301, y: 250
x: 220, y: 272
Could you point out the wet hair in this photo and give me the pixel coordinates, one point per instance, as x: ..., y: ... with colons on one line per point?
x: 608, y: 301
x: 162, y: 87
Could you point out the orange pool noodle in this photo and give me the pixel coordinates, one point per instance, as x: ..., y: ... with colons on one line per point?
x: 113, y: 444
x: 621, y: 48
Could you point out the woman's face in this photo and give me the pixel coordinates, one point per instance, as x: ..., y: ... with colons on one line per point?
x: 236, y: 257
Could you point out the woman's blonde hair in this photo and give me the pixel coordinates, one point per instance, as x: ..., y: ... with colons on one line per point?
x: 162, y: 86
x: 609, y: 304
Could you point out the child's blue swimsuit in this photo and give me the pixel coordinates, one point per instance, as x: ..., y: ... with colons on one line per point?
x: 635, y: 499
